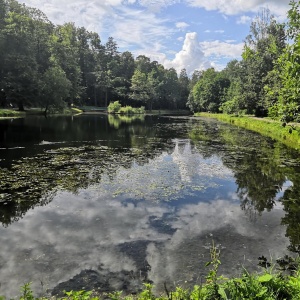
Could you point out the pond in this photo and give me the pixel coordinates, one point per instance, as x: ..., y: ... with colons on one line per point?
x: 107, y: 203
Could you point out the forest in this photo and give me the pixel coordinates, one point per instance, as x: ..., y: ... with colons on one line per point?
x: 52, y: 66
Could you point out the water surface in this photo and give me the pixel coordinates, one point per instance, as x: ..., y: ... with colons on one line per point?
x: 105, y: 203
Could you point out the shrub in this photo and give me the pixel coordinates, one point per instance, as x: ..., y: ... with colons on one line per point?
x: 126, y: 110
x: 140, y: 110
x: 114, y: 107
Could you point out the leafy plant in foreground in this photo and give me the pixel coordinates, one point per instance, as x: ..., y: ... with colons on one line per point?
x: 268, y: 285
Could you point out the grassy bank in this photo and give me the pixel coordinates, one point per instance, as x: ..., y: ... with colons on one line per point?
x: 11, y: 113
x: 288, y: 135
x: 176, y: 112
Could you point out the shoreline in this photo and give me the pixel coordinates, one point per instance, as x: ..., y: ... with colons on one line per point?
x: 288, y: 135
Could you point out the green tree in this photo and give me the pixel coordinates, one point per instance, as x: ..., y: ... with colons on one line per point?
x: 107, y: 68
x: 55, y: 89
x: 233, y: 102
x: 263, y: 46
x: 288, y: 106
x: 65, y: 53
x: 169, y: 89
x: 184, y: 90
x: 19, y: 68
x: 144, y: 88
x: 209, y: 92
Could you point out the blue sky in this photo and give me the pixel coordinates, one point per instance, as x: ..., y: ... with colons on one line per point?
x: 191, y: 34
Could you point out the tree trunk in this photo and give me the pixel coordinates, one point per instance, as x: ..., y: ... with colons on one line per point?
x: 106, y: 96
x: 95, y: 95
x: 21, y: 105
x: 150, y: 105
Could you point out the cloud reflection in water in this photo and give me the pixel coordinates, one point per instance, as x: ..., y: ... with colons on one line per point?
x: 88, y: 231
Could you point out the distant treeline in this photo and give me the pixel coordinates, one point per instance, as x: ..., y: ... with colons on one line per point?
x: 50, y: 66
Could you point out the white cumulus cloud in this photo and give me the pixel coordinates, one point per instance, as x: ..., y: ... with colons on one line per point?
x: 156, y: 5
x: 203, y: 55
x: 182, y: 25
x: 244, y: 20
x: 190, y: 57
x: 232, y: 7
x: 221, y: 49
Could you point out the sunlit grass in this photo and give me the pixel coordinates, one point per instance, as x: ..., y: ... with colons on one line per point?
x: 288, y: 135
x: 4, y: 113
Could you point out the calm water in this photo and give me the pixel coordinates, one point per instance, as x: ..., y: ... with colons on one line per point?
x: 108, y: 203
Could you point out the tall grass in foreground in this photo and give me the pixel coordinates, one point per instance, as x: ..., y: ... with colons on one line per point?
x: 287, y: 134
x: 267, y: 285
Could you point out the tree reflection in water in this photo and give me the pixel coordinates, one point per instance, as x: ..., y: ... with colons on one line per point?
x: 261, y: 168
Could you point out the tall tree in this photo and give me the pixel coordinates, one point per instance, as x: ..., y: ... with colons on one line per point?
x: 262, y: 47
x: 288, y: 106
x: 184, y: 90
x: 144, y: 87
x: 19, y: 67
x: 123, y: 75
x: 210, y: 91
x: 65, y: 53
x: 107, y: 68
x: 171, y: 89
x: 55, y: 88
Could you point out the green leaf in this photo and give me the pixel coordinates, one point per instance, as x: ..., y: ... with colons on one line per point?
x: 222, y: 293
x: 265, y: 278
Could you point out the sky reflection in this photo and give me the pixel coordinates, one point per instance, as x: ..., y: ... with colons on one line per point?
x: 124, y: 223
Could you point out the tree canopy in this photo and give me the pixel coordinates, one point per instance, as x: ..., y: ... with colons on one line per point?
x: 51, y: 66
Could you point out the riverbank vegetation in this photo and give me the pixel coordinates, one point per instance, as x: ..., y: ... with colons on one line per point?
x: 265, y: 81
x: 54, y: 66
x: 266, y: 285
x: 4, y: 113
x: 12, y: 113
x: 288, y: 134
x: 117, y: 108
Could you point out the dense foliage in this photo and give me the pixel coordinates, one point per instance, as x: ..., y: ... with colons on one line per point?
x: 265, y: 82
x: 50, y: 66
x: 117, y: 108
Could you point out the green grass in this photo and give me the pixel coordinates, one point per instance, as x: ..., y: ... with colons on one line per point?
x: 264, y: 286
x: 87, y: 108
x: 10, y: 113
x: 178, y: 112
x: 75, y: 110
x: 288, y: 135
x: 5, y: 113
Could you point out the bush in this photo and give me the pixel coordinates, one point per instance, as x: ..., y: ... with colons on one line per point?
x: 114, y: 107
x: 141, y: 110
x: 127, y: 110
